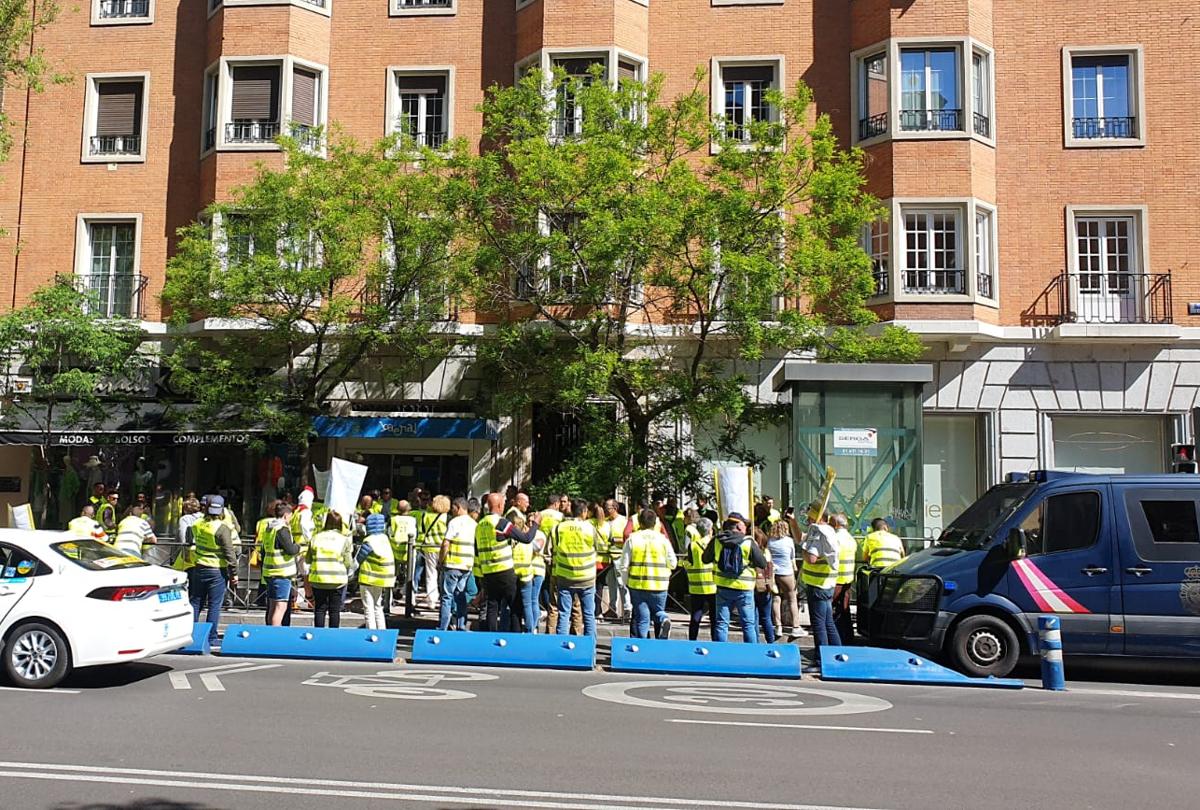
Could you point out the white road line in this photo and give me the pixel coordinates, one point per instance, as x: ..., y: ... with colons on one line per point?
x: 1071, y: 690
x: 40, y: 691
x: 179, y: 680
x: 798, y: 725
x: 213, y: 683
x: 373, y: 790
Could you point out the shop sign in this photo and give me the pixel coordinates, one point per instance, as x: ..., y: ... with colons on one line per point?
x: 855, y: 442
x: 404, y: 427
x: 147, y: 439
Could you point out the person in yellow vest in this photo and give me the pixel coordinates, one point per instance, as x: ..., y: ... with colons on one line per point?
x: 402, y: 529
x: 600, y: 524
x: 431, y: 531
x: 456, y: 558
x: 214, y: 551
x: 550, y: 516
x: 330, y: 558
x: 574, y: 541
x: 85, y: 526
x: 819, y: 573
x: 96, y: 499
x: 133, y: 532
x: 880, y: 547
x: 735, y: 557
x: 618, y: 592
x: 847, y: 554
x: 525, y: 615
x: 649, y: 558
x: 279, y: 553
x: 376, y: 570
x: 303, y: 525
x: 493, y: 550
x: 106, y: 515
x: 702, y: 590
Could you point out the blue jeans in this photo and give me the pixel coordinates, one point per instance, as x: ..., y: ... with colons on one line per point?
x: 531, y: 608
x: 454, y: 599
x: 743, y: 602
x: 820, y: 613
x: 762, y: 604
x: 647, y: 605
x: 587, y: 602
x: 207, y: 585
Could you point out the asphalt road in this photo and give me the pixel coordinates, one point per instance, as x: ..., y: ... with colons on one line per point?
x: 180, y: 733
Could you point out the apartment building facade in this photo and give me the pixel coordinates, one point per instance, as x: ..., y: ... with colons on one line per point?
x: 1035, y: 160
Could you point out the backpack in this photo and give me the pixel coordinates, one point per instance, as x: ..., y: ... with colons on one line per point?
x: 730, y: 562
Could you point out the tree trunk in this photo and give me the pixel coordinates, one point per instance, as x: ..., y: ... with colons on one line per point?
x: 639, y: 433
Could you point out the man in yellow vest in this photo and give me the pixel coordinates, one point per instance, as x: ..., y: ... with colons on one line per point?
x: 431, y: 531
x: 618, y: 591
x: 574, y: 542
x: 106, y: 515
x: 819, y: 574
x: 734, y: 557
x: 847, y: 555
x: 880, y: 547
x: 85, y: 526
x: 649, y: 557
x: 376, y: 570
x: 493, y: 552
x: 702, y: 590
x: 330, y: 557
x: 214, y: 551
x: 456, y: 558
x: 403, y: 532
x: 133, y: 532
x: 279, y: 553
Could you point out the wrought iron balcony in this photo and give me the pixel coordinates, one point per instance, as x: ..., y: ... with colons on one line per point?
x: 434, y: 140
x: 124, y: 9
x: 114, y: 295
x: 1095, y: 128
x: 1103, y: 298
x: 440, y: 307
x: 931, y: 120
x: 308, y: 137
x: 872, y: 126
x: 414, y: 5
x: 251, y: 131
x: 115, y: 145
x: 983, y: 125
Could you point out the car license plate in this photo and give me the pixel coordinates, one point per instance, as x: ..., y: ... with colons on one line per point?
x: 173, y: 595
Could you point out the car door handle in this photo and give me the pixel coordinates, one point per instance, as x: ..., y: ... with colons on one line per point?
x: 1139, y: 572
x: 1093, y: 571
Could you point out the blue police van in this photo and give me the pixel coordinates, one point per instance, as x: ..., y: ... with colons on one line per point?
x: 1115, y: 557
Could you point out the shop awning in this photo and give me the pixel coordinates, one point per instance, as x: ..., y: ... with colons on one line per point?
x: 405, y: 427
x: 149, y: 426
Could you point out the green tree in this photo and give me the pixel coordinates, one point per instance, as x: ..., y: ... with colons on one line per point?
x: 628, y: 263
x: 333, y: 268
x: 66, y: 365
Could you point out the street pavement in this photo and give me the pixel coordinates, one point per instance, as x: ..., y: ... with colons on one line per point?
x: 221, y: 733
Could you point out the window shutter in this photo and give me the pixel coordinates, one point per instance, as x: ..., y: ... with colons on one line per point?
x: 118, y: 108
x: 749, y: 73
x: 431, y: 85
x: 627, y: 71
x: 304, y: 97
x: 255, y: 93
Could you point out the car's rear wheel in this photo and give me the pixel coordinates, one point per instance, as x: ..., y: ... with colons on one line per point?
x: 984, y: 645
x: 36, y: 656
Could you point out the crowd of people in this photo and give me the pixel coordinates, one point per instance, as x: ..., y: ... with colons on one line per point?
x: 555, y: 569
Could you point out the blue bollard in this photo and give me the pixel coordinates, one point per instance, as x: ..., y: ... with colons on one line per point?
x: 1050, y: 639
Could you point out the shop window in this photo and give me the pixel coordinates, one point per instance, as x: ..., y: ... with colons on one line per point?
x: 1110, y: 444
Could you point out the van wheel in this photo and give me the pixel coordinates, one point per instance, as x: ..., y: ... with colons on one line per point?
x: 36, y: 656
x: 984, y: 645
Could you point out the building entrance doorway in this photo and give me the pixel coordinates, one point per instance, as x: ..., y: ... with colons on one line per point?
x: 439, y: 474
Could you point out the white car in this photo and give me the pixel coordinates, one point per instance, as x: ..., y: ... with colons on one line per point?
x: 67, y: 603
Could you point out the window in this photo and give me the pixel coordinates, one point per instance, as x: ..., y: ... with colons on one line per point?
x: 211, y: 100
x: 115, y: 119
x: 16, y: 564
x: 107, y: 259
x: 1108, y: 282
x: 254, y: 104
x: 872, y: 96
x: 319, y: 6
x: 568, y: 112
x: 306, y: 111
x: 421, y: 104
x: 984, y: 276
x: 258, y: 99
x: 981, y: 101
x: 1103, y: 103
x: 1068, y: 522
x: 557, y: 275
x: 122, y: 12
x: 96, y: 556
x: 1163, y: 523
x: 1113, y: 444
x: 876, y: 240
x: 415, y: 8
x: 1172, y: 521
x: 237, y: 240
x: 932, y: 251
x: 930, y: 99
x: 743, y: 97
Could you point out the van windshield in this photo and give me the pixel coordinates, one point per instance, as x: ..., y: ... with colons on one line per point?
x: 975, y: 526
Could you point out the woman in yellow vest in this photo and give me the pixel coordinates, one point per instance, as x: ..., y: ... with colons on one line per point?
x: 431, y: 531
x: 329, y: 560
x: 376, y: 570
x: 702, y: 590
x: 279, y: 553
x: 649, y: 558
x: 530, y: 568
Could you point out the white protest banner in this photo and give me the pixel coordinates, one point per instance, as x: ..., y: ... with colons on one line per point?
x: 345, y: 483
x: 735, y: 491
x: 321, y: 484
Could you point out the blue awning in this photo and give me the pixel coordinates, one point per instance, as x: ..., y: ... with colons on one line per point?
x: 405, y: 427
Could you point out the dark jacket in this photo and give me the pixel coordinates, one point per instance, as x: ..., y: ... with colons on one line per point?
x: 732, y: 537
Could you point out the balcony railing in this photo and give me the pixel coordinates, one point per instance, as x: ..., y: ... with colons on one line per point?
x: 210, y: 138
x: 115, y: 145
x: 1095, y: 128
x: 443, y: 307
x: 434, y: 140
x: 308, y: 137
x: 116, y: 295
x: 1103, y: 298
x: 419, y: 4
x: 124, y: 9
x: 983, y: 125
x: 931, y: 120
x: 872, y: 126
x: 250, y: 131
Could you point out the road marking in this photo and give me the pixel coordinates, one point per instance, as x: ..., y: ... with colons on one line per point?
x: 748, y: 698
x: 400, y: 684
x: 210, y: 678
x: 1133, y: 693
x: 40, y: 691
x: 488, y: 797
x: 797, y: 725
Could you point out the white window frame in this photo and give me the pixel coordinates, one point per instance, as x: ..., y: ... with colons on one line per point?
x: 395, y: 9
x: 543, y: 59
x: 286, y: 64
x: 986, y: 252
x: 97, y: 20
x: 1137, y: 95
x: 392, y: 102
x: 83, y: 254
x: 717, y: 3
x: 90, y: 108
x: 967, y: 48
x: 965, y: 209
x: 216, y: 5
x: 1139, y: 234
x: 210, y: 107
x: 717, y: 84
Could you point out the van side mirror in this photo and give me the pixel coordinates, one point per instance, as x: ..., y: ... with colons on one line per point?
x: 1015, y: 544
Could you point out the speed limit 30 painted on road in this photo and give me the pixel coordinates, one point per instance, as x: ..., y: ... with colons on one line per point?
x: 727, y: 698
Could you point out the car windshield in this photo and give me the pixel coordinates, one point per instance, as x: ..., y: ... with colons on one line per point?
x: 96, y: 556
x: 972, y: 528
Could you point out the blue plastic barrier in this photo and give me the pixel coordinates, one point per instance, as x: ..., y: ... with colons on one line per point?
x: 1054, y: 677
x: 705, y: 657
x: 504, y: 650
x: 897, y: 666
x: 199, y: 645
x: 344, y: 644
